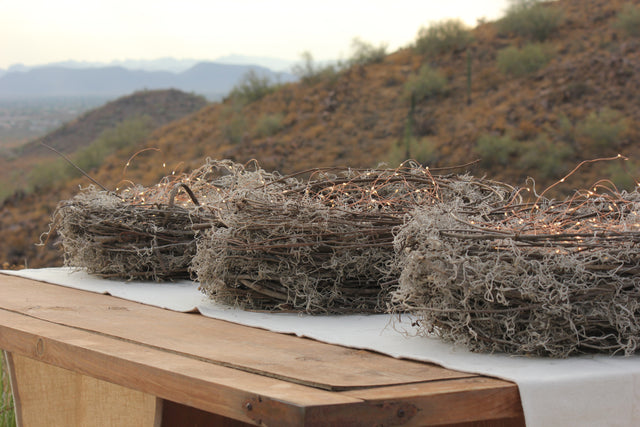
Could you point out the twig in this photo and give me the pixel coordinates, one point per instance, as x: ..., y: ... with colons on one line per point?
x: 74, y: 165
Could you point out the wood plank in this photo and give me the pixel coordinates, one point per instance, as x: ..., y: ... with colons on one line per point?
x: 234, y: 394
x: 171, y: 376
x: 474, y: 399
x: 281, y: 356
x: 46, y: 395
x: 466, y: 402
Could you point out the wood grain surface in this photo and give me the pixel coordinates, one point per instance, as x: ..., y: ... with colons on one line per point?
x: 246, y: 374
x: 227, y: 344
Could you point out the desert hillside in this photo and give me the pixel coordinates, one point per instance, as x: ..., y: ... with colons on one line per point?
x: 524, y: 107
x: 510, y: 99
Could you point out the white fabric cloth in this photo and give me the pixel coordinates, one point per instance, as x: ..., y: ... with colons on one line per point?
x: 579, y: 391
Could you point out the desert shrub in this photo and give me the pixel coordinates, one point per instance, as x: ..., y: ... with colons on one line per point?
x: 602, y: 129
x: 91, y: 157
x: 310, y: 73
x: 233, y: 123
x: 15, y: 182
x: 496, y: 150
x: 128, y: 133
x: 48, y: 174
x: 624, y: 174
x: 428, y: 82
x: 252, y: 87
x: 544, y: 158
x: 629, y: 20
x: 365, y: 53
x: 566, y: 129
x: 234, y: 129
x: 449, y: 35
x: 423, y: 151
x: 530, y: 19
x: 520, y: 62
x: 269, y: 124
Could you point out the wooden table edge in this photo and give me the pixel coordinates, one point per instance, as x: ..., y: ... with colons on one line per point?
x: 254, y: 398
x: 260, y: 351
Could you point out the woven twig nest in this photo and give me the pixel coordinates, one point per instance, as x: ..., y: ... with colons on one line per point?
x: 111, y: 237
x: 552, y: 279
x: 296, y: 255
x: 147, y: 233
x: 323, y: 245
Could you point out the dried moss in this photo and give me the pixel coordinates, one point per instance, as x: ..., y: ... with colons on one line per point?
x: 324, y: 244
x: 555, y: 280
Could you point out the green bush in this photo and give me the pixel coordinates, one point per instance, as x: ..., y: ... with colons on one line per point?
x: 520, y: 62
x: 565, y: 128
x: 496, y: 150
x: 624, y: 174
x: 252, y: 87
x: 234, y: 129
x: 540, y: 157
x: 424, y: 151
x: 48, y: 174
x: 629, y: 20
x: 128, y: 133
x: 310, y: 73
x: 544, y: 158
x: 602, y: 129
x: 365, y: 53
x: 450, y: 35
x: 530, y: 19
x: 233, y: 124
x: 269, y: 125
x: 427, y: 83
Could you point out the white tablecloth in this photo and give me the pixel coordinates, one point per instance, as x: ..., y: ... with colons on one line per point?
x: 578, y: 391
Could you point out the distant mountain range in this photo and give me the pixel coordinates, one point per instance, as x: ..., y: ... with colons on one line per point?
x: 164, y: 64
x: 211, y: 79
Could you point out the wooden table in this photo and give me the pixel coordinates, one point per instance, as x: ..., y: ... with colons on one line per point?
x: 79, y: 358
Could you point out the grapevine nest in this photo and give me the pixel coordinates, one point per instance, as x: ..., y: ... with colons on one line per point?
x: 552, y: 278
x: 323, y: 244
x: 146, y: 233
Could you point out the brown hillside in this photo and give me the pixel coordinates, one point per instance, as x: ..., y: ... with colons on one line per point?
x: 540, y: 124
x: 356, y: 117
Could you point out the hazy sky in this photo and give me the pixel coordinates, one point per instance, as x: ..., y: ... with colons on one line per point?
x: 40, y: 31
